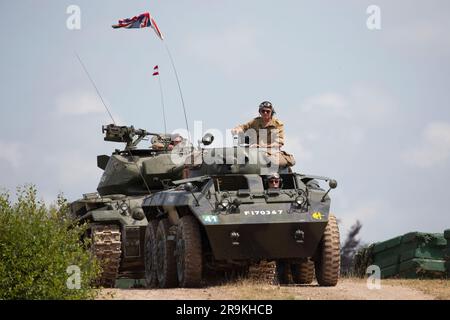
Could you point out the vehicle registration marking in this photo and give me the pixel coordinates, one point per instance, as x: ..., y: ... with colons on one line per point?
x: 262, y: 212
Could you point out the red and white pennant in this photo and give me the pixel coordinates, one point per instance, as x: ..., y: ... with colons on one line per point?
x: 156, y: 70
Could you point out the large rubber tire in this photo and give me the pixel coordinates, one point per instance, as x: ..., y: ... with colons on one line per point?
x: 165, y: 258
x: 282, y: 272
x: 263, y: 271
x: 189, y: 253
x: 328, y: 259
x: 150, y: 257
x: 303, y: 272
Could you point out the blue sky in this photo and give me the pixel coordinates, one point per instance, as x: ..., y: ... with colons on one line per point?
x: 367, y: 107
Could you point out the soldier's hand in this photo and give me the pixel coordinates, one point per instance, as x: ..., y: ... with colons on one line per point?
x: 273, y: 145
x: 254, y: 145
x: 236, y: 130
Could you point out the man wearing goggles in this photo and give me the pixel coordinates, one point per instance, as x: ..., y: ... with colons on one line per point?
x: 268, y: 129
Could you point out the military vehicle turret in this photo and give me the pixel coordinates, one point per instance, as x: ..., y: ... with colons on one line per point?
x: 117, y: 222
x: 222, y: 218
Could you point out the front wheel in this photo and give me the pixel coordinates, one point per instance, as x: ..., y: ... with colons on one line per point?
x: 328, y: 259
x: 165, y: 259
x: 189, y: 253
x: 150, y: 257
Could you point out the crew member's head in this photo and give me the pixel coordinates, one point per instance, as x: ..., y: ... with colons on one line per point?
x: 266, y: 110
x: 175, y: 141
x: 274, y: 181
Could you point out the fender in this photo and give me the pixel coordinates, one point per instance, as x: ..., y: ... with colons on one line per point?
x: 113, y: 216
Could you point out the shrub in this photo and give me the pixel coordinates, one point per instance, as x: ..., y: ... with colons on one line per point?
x: 37, y: 246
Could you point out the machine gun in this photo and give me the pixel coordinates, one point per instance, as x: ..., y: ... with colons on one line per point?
x: 128, y: 135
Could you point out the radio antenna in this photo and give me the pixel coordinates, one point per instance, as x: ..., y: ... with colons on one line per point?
x: 93, y: 83
x: 179, y: 88
x: 98, y: 92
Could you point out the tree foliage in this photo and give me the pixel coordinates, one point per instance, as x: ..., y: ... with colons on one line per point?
x: 37, y: 246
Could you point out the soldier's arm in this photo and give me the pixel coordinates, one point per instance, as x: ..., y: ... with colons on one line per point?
x: 243, y: 127
x: 279, y: 137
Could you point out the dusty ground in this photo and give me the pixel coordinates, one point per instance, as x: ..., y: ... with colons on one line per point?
x: 348, y: 289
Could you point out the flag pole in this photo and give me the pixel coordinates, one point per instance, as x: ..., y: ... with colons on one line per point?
x: 162, y: 98
x: 179, y: 88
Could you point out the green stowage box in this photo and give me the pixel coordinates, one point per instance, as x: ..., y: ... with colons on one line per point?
x: 385, y: 259
x: 423, y: 253
x: 390, y: 271
x: 423, y: 245
x: 417, y: 268
x: 388, y: 244
x: 407, y: 253
x: 385, y: 255
x: 431, y: 239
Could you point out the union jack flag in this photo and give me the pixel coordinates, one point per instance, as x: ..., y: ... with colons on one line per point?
x: 141, y: 21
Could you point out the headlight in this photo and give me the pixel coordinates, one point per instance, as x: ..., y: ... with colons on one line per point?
x: 225, y: 203
x: 138, y: 214
x: 124, y: 207
x: 300, y: 200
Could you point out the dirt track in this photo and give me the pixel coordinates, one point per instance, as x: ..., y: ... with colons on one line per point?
x: 348, y: 289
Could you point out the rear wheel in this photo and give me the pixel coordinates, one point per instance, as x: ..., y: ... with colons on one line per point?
x: 327, y: 262
x: 282, y: 272
x: 150, y: 258
x: 189, y: 253
x: 303, y: 272
x: 165, y: 259
x: 263, y: 271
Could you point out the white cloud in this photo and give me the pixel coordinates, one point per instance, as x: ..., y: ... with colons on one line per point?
x: 421, y: 37
x: 10, y: 152
x: 371, y: 103
x: 73, y: 168
x: 298, y: 149
x: 234, y: 50
x: 362, y: 102
x: 335, y: 119
x: 79, y: 103
x: 328, y: 102
x: 433, y: 148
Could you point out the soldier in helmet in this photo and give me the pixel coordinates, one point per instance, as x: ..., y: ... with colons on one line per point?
x: 176, y: 140
x: 157, y: 145
x: 269, y: 130
x: 160, y: 144
x: 274, y: 181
